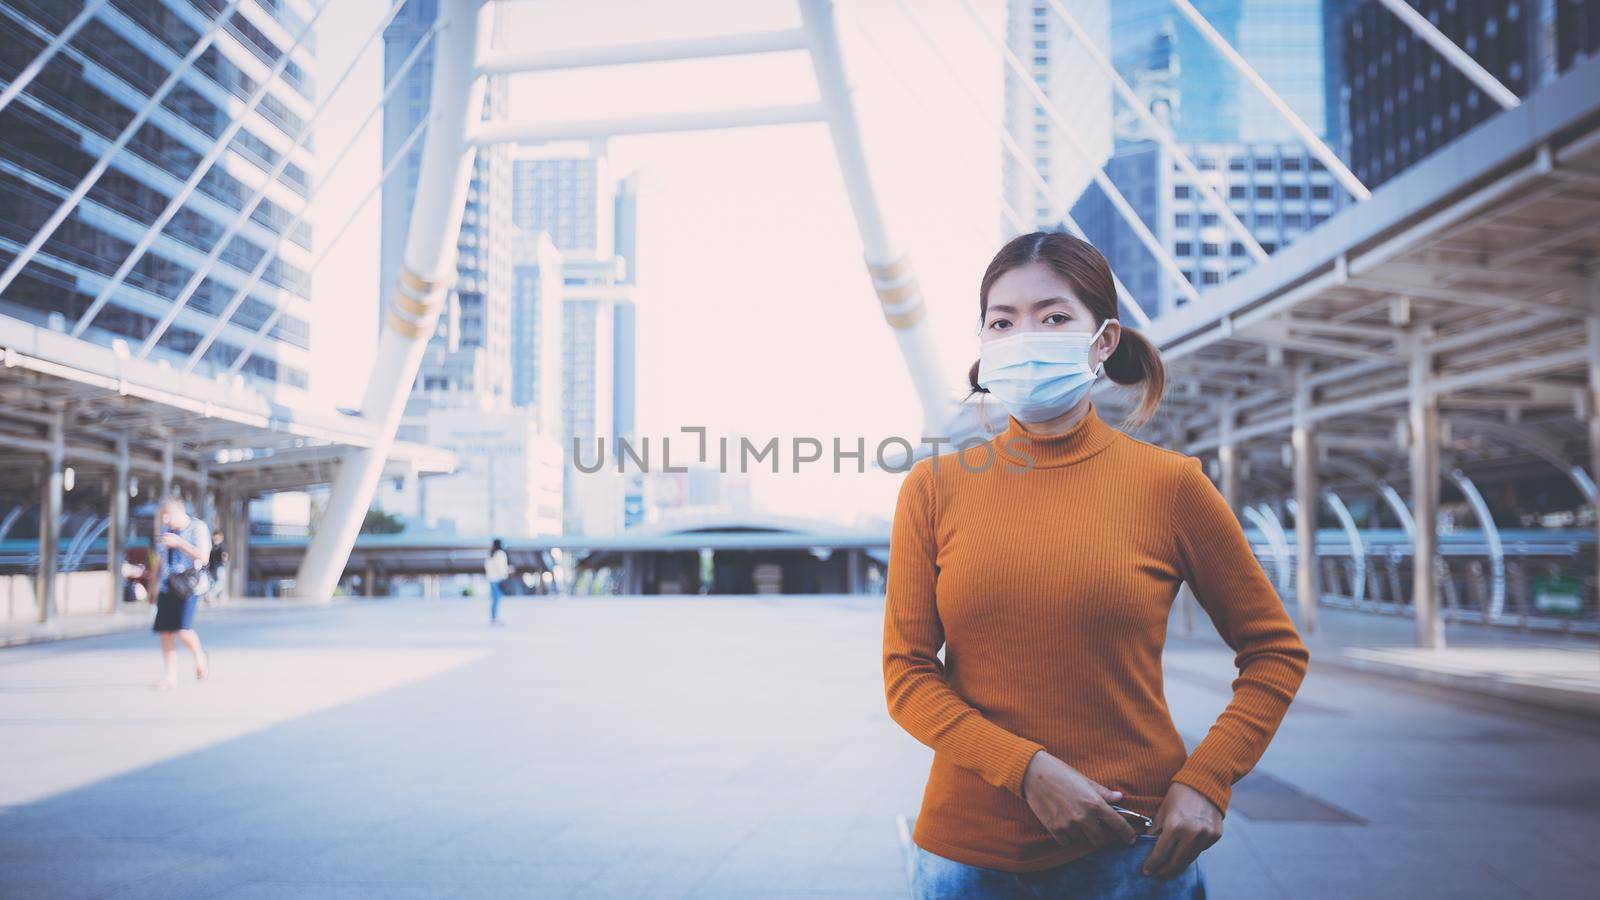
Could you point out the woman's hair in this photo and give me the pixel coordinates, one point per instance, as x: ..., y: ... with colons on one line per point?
x: 497, y: 546
x: 1135, y: 361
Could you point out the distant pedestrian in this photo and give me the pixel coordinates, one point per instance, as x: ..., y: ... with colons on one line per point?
x: 182, y: 544
x: 217, y: 569
x: 497, y: 568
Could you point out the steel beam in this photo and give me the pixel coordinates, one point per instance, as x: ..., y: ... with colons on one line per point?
x: 507, y: 62
x: 1491, y: 537
x: 531, y: 132
x: 1358, y: 550
x: 1315, y: 144
x: 1457, y: 57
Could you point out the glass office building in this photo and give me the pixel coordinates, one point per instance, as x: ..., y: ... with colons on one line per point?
x: 60, y: 126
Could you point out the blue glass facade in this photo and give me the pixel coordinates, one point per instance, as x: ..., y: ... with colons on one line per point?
x: 1281, y: 39
x: 54, y: 132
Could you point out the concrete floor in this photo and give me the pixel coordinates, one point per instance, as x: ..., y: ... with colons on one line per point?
x: 656, y: 747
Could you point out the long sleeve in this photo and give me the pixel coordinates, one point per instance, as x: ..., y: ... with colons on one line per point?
x: 1215, y: 558
x: 919, y: 697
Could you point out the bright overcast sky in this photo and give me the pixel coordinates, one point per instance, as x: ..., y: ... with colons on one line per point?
x: 756, y: 316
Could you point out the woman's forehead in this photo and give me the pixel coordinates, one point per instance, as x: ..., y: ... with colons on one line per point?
x: 1025, y: 286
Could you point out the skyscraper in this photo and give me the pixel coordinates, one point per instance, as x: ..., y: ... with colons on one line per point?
x: 53, y: 133
x: 468, y: 359
x: 572, y: 196
x: 1245, y: 151
x: 1043, y: 44
x: 1402, y: 100
x: 1281, y: 39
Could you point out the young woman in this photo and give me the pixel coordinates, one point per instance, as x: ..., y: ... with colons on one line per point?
x: 496, y: 568
x: 1045, y: 563
x: 184, y: 547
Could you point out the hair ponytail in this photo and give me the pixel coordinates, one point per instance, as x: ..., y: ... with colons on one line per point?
x: 1137, y: 361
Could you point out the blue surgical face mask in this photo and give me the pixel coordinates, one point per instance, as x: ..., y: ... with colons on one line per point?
x: 1039, y: 375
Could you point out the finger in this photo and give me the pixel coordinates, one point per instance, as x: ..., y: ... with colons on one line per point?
x: 1160, y: 853
x: 1181, y: 854
x: 1183, y: 860
x: 1106, y: 793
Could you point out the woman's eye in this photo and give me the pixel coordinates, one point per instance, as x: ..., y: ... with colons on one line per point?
x: 999, y: 324
x: 1056, y: 318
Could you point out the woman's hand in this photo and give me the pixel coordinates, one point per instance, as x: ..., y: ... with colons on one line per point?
x: 1072, y: 807
x: 1187, y: 823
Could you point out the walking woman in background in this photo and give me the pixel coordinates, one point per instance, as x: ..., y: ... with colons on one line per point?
x: 1045, y: 563
x: 496, y: 568
x: 184, y: 545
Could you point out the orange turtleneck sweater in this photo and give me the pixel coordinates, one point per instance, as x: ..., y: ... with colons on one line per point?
x: 1046, y: 567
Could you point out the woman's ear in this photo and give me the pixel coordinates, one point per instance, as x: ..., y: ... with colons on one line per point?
x: 1111, y: 338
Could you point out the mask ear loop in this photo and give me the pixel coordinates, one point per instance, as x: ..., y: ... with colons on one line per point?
x: 1100, y: 369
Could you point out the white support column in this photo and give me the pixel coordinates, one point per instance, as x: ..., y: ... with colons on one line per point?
x: 1228, y: 457
x: 1308, y: 492
x: 425, y: 275
x: 50, y: 516
x: 892, y: 274
x: 117, y: 534
x: 1592, y: 291
x: 239, y: 547
x: 1424, y: 420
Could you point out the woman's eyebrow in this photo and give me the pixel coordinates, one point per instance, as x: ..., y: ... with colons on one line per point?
x: 1045, y: 301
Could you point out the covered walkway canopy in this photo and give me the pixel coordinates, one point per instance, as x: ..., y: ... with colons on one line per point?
x: 92, y: 420
x: 1454, y: 313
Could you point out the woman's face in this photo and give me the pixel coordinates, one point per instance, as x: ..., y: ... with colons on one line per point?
x: 1032, y: 297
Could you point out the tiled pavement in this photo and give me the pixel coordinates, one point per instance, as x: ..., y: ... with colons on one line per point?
x: 656, y: 747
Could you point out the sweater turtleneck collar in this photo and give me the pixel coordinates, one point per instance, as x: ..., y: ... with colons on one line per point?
x: 1088, y: 436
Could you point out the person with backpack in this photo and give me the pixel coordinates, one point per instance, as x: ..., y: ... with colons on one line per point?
x: 183, y: 547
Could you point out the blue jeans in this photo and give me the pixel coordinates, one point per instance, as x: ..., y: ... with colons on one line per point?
x: 1110, y: 873
x: 494, y: 601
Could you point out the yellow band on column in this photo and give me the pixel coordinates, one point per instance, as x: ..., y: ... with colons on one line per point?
x: 405, y: 327
x: 892, y: 271
x: 900, y: 294
x: 416, y: 284
x: 908, y: 318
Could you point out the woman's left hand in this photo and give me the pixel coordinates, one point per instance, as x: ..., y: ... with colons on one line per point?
x: 1187, y: 823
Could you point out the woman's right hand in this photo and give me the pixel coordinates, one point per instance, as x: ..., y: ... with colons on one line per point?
x: 1072, y: 807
